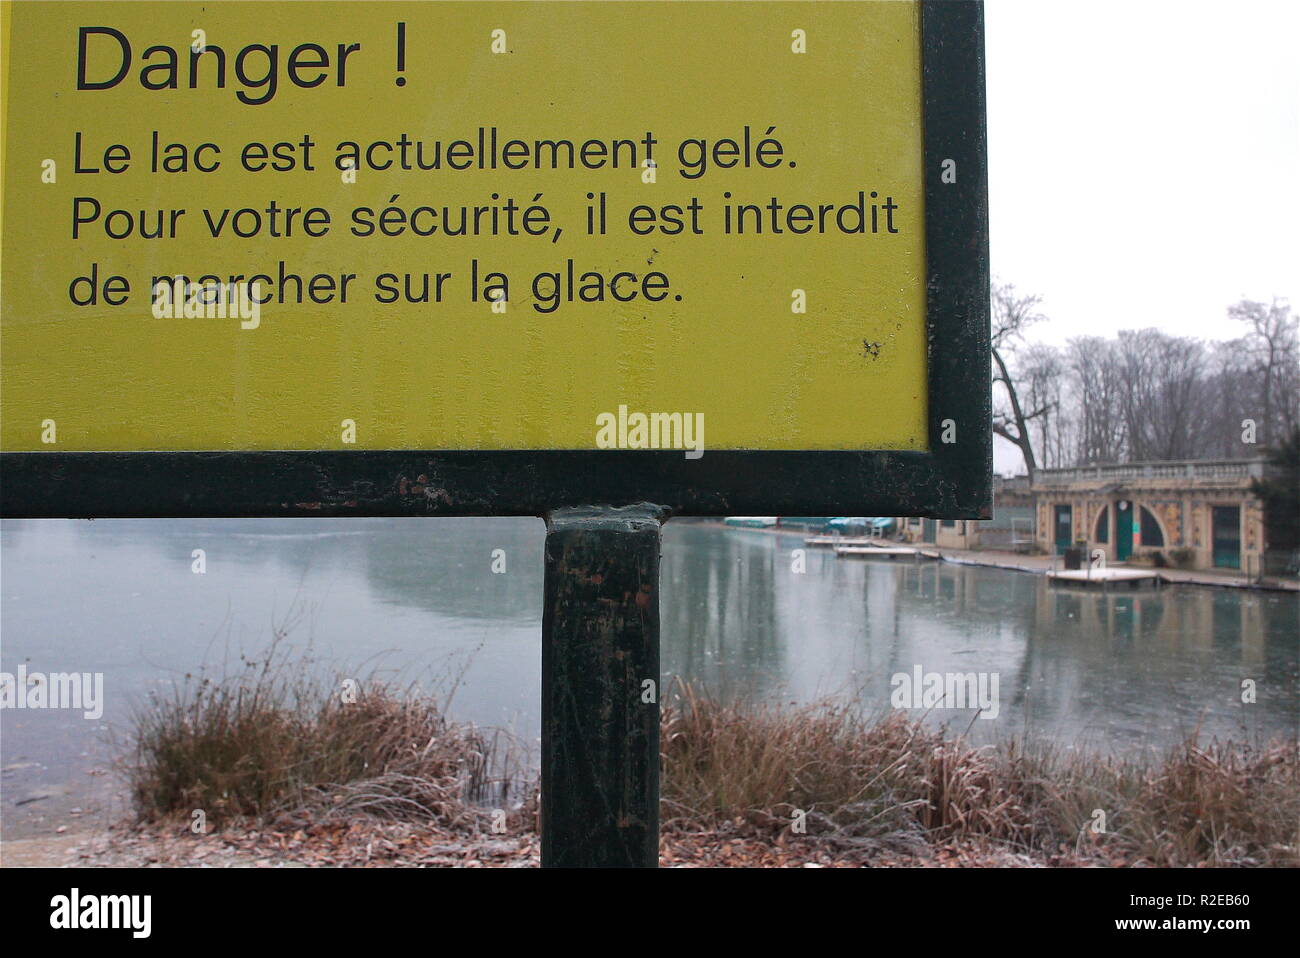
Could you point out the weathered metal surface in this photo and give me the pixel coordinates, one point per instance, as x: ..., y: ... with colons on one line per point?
x: 369, y: 483
x: 600, y: 688
x: 957, y: 253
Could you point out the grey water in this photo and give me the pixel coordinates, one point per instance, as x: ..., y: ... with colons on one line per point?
x: 418, y: 600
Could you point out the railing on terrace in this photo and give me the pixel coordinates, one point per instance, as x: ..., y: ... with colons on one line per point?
x: 1233, y: 469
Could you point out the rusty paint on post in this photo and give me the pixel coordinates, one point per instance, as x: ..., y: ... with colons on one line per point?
x: 600, y: 720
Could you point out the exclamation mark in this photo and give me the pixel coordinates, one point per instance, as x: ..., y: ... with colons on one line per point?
x: 401, y: 52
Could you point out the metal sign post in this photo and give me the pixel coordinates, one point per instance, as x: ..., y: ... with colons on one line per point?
x: 600, y: 688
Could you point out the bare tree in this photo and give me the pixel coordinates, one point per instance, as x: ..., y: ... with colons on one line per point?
x: 1096, y: 369
x: 1229, y: 389
x: 1162, y: 394
x: 1272, y: 347
x: 1041, y: 372
x: 1012, y: 315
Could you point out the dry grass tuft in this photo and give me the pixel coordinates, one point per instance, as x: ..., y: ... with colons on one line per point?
x: 891, y: 779
x: 273, y: 741
x: 278, y: 737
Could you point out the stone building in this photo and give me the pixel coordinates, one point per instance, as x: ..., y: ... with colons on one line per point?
x: 1010, y: 528
x: 1196, y: 515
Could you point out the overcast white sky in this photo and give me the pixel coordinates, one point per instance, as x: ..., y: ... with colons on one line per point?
x: 1144, y: 162
x: 1144, y: 159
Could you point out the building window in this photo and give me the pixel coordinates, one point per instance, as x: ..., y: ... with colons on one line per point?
x: 1103, y: 525
x: 1151, y: 534
x: 948, y: 523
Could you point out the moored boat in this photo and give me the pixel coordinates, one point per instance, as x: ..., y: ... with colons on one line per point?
x: 750, y: 522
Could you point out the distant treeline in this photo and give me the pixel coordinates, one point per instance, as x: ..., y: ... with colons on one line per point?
x: 1145, y: 395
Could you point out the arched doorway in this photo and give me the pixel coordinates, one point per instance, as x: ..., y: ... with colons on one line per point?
x: 1153, y: 537
x: 1102, y: 531
x: 1135, y: 523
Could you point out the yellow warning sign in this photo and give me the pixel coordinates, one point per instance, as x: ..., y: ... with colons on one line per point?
x: 427, y: 225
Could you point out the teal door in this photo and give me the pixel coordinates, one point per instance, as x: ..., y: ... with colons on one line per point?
x: 1227, y: 537
x: 927, y: 530
x: 1064, y: 528
x: 1124, y: 517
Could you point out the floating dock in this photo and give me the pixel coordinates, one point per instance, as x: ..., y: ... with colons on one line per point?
x: 1105, y: 578
x: 882, y: 552
x: 829, y: 541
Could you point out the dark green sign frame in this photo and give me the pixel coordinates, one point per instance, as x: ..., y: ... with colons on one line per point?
x: 952, y: 480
